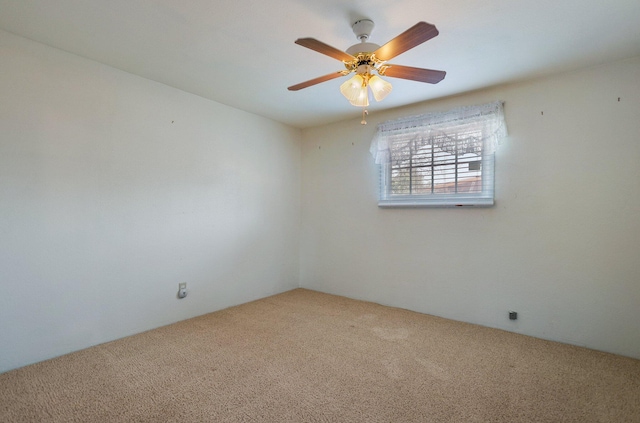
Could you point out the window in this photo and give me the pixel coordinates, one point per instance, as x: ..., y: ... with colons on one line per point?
x: 439, y: 159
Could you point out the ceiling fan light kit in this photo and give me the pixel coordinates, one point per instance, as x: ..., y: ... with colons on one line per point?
x: 355, y: 90
x: 365, y: 58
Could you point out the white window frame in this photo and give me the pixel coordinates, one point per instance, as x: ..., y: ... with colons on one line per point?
x: 457, y: 137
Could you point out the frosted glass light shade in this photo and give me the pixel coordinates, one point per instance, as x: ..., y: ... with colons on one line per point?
x: 379, y: 87
x: 362, y: 100
x: 355, y: 90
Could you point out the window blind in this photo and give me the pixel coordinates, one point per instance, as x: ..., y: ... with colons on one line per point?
x: 440, y: 159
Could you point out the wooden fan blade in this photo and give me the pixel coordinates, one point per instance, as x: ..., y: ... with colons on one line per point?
x: 415, y: 74
x: 323, y: 48
x: 416, y: 35
x: 315, y: 81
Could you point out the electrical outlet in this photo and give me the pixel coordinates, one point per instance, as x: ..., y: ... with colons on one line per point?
x: 182, y: 290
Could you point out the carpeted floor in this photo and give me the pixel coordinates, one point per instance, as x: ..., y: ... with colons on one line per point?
x: 303, y: 356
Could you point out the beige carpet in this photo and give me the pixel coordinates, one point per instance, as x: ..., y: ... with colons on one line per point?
x: 304, y: 356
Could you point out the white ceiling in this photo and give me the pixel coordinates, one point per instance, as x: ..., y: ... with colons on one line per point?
x: 242, y: 53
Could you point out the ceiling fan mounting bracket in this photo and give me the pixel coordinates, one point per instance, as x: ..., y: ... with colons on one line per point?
x: 362, y: 28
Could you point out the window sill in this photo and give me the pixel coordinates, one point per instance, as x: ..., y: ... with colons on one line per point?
x: 437, y: 202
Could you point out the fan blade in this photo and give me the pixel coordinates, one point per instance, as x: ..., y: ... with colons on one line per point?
x: 323, y: 48
x: 415, y: 74
x: 315, y: 81
x: 416, y: 35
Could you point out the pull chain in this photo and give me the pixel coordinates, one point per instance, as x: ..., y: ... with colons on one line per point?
x: 365, y: 112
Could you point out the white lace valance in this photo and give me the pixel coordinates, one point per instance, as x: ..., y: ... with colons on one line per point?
x: 471, y: 128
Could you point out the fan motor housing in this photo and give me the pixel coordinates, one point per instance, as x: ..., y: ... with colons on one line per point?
x: 362, y: 48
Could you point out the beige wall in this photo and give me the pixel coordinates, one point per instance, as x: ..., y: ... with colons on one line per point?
x: 113, y: 189
x: 561, y: 246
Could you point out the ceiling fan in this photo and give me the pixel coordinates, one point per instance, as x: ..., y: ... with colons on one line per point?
x: 365, y: 58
